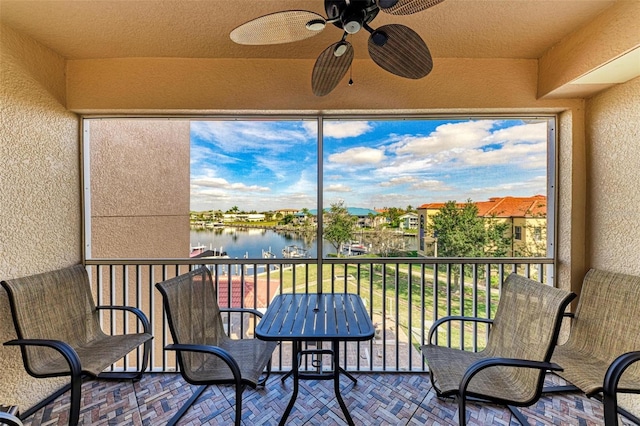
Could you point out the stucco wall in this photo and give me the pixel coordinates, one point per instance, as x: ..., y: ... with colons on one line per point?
x: 39, y: 190
x: 613, y: 162
x: 139, y: 188
x: 613, y: 143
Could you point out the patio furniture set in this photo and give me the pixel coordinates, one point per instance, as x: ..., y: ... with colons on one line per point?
x: 61, y: 336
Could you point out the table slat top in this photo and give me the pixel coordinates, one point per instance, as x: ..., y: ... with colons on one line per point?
x: 321, y: 317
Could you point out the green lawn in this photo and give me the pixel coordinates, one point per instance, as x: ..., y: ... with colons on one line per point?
x: 379, y: 290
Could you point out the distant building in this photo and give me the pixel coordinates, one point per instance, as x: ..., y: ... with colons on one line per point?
x: 243, y: 217
x: 409, y: 221
x: 364, y: 217
x: 527, y: 217
x: 285, y: 212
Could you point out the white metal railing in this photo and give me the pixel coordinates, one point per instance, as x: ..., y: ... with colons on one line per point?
x: 404, y: 296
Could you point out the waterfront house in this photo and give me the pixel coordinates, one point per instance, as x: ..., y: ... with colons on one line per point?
x: 409, y: 221
x: 63, y: 61
x: 526, y: 218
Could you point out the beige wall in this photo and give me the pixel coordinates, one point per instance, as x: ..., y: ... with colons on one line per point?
x: 40, y: 209
x: 139, y: 188
x: 613, y: 198
x: 175, y: 84
x: 613, y: 167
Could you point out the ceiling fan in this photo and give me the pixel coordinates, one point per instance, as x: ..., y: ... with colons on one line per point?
x: 394, y: 47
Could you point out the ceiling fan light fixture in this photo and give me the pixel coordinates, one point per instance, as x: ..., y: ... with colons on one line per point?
x: 316, y: 25
x: 380, y: 38
x: 352, y: 21
x: 352, y: 27
x: 340, y: 49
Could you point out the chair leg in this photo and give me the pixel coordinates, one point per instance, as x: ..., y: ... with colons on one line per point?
x: 239, y: 390
x: 145, y: 359
x: 462, y: 411
x: 265, y: 376
x: 610, y: 409
x: 76, y: 393
x: 518, y: 415
x: 185, y: 407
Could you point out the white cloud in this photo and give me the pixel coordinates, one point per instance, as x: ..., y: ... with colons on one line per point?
x: 221, y: 183
x: 446, y: 137
x: 235, y: 136
x: 338, y: 188
x: 431, y: 185
x: 358, y: 156
x: 396, y: 181
x: 529, y: 156
x: 528, y: 132
x: 339, y: 129
x: 537, y: 185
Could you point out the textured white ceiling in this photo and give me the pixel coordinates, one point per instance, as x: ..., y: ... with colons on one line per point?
x: 80, y: 29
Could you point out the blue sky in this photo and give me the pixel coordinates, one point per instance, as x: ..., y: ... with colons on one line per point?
x: 266, y: 165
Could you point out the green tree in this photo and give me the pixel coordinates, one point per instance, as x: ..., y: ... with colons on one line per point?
x: 462, y: 233
x: 393, y: 214
x: 306, y: 214
x: 339, y: 226
x: 288, y: 219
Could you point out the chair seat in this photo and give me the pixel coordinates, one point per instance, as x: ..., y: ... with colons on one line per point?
x: 585, y: 371
x: 448, y: 366
x: 97, y: 355
x: 252, y: 356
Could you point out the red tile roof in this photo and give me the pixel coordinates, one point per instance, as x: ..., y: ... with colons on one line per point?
x: 250, y: 301
x: 504, y: 206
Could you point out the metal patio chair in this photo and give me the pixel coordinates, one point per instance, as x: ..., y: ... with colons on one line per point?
x: 511, y: 368
x: 601, y: 357
x: 206, y: 355
x: 59, y: 333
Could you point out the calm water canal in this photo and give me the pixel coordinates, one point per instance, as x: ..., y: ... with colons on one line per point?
x: 250, y: 243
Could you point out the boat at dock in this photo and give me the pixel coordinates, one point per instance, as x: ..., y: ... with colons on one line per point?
x: 294, y: 252
x: 354, y: 249
x: 202, y: 251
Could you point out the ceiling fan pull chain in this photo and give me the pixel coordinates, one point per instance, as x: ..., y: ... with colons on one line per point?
x: 351, y: 74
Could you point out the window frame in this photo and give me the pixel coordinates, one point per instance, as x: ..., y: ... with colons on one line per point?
x: 551, y: 176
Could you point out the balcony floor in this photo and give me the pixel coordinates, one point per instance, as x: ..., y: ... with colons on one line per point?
x: 377, y: 399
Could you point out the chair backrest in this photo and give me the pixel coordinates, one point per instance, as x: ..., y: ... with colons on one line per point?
x: 607, y: 319
x: 527, y: 324
x: 53, y: 305
x: 193, y: 314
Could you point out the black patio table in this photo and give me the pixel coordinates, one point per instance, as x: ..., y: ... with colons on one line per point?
x: 326, y: 317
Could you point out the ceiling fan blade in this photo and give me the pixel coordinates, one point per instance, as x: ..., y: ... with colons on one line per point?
x: 406, y: 7
x: 330, y: 67
x: 279, y: 27
x: 400, y: 50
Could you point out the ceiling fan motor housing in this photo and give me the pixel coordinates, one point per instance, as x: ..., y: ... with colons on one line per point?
x: 351, y: 16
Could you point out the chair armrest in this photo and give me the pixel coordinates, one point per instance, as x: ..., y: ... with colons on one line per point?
x: 138, y: 313
x: 69, y: 354
x: 212, y: 350
x: 615, y: 370
x: 438, y: 323
x: 482, y: 364
x: 610, y: 386
x: 243, y: 310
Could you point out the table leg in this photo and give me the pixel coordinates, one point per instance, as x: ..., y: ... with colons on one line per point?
x: 349, y: 375
x: 295, y: 353
x: 336, y: 383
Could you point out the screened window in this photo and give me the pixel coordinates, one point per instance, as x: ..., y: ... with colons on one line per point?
x: 269, y: 187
